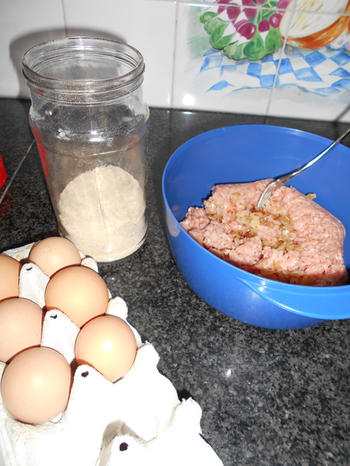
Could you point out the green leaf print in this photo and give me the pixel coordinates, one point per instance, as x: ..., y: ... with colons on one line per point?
x: 273, y: 41
x: 205, y: 17
x: 214, y: 23
x: 235, y: 51
x: 255, y: 49
x: 218, y: 40
x: 215, y: 27
x: 242, y: 44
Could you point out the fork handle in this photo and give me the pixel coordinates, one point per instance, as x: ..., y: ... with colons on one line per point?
x: 282, y: 179
x: 318, y: 157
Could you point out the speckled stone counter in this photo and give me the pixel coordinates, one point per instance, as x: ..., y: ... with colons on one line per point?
x: 268, y: 397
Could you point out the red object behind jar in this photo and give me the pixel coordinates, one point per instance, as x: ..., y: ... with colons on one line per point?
x: 3, y: 174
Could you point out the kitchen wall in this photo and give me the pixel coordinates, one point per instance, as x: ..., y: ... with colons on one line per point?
x: 268, y: 57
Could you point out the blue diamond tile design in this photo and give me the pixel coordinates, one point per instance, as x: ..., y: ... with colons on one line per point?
x: 211, y: 62
x: 220, y: 85
x: 307, y: 74
x: 266, y: 81
x: 326, y: 91
x: 286, y: 66
x: 341, y: 58
x: 343, y: 84
x: 229, y: 68
x: 315, y: 58
x: 299, y: 68
x: 254, y: 69
x: 341, y: 72
x: 210, y: 52
x: 267, y: 59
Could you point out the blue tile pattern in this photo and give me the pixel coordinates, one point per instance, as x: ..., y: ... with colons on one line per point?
x: 324, y: 72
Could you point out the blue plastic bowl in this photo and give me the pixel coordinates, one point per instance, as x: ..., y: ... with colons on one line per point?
x: 246, y: 153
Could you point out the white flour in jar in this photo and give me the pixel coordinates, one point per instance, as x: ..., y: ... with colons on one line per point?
x: 103, y: 212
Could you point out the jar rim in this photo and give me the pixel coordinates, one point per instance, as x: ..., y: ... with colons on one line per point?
x: 42, y: 52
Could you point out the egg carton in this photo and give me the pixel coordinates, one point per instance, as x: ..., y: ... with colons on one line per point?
x: 137, y: 420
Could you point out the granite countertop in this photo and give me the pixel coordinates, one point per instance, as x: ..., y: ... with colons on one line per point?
x: 268, y: 397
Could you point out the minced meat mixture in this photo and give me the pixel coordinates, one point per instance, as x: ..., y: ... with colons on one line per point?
x: 293, y: 239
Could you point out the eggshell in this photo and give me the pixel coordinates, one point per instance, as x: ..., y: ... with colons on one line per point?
x: 108, y: 344
x: 54, y: 253
x: 20, y: 326
x: 9, y: 276
x: 79, y: 292
x: 35, y: 385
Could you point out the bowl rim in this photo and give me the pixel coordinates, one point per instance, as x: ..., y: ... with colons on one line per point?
x: 304, y: 289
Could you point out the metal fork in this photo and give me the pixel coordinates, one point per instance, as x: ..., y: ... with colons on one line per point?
x: 282, y: 179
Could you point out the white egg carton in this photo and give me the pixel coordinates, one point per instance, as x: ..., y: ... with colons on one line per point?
x: 136, y: 420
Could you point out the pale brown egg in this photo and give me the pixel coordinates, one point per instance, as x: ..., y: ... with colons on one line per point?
x: 9, y: 276
x: 54, y: 253
x: 35, y: 385
x: 20, y: 326
x: 79, y: 292
x: 108, y: 344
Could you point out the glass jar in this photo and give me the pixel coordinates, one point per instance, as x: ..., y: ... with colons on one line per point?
x: 89, y: 120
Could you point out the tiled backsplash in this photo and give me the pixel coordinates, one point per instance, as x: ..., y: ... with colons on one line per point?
x: 268, y: 57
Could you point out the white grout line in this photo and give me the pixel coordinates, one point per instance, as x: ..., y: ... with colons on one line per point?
x: 296, y: 7
x: 15, y: 172
x: 172, y: 90
x: 272, y: 92
x: 64, y: 18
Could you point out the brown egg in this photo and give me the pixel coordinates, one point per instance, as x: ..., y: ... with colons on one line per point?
x: 9, y: 276
x: 54, y: 253
x: 79, y: 292
x: 108, y: 344
x: 20, y: 326
x: 35, y: 385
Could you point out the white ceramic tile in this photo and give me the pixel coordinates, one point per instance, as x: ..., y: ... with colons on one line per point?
x: 182, y: 69
x: 206, y: 78
x: 148, y: 25
x: 290, y: 82
x: 314, y: 83
x: 22, y: 24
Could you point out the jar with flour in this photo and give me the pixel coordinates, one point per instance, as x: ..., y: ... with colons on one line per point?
x: 89, y: 121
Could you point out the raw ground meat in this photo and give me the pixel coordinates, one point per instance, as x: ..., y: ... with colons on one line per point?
x: 293, y: 239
